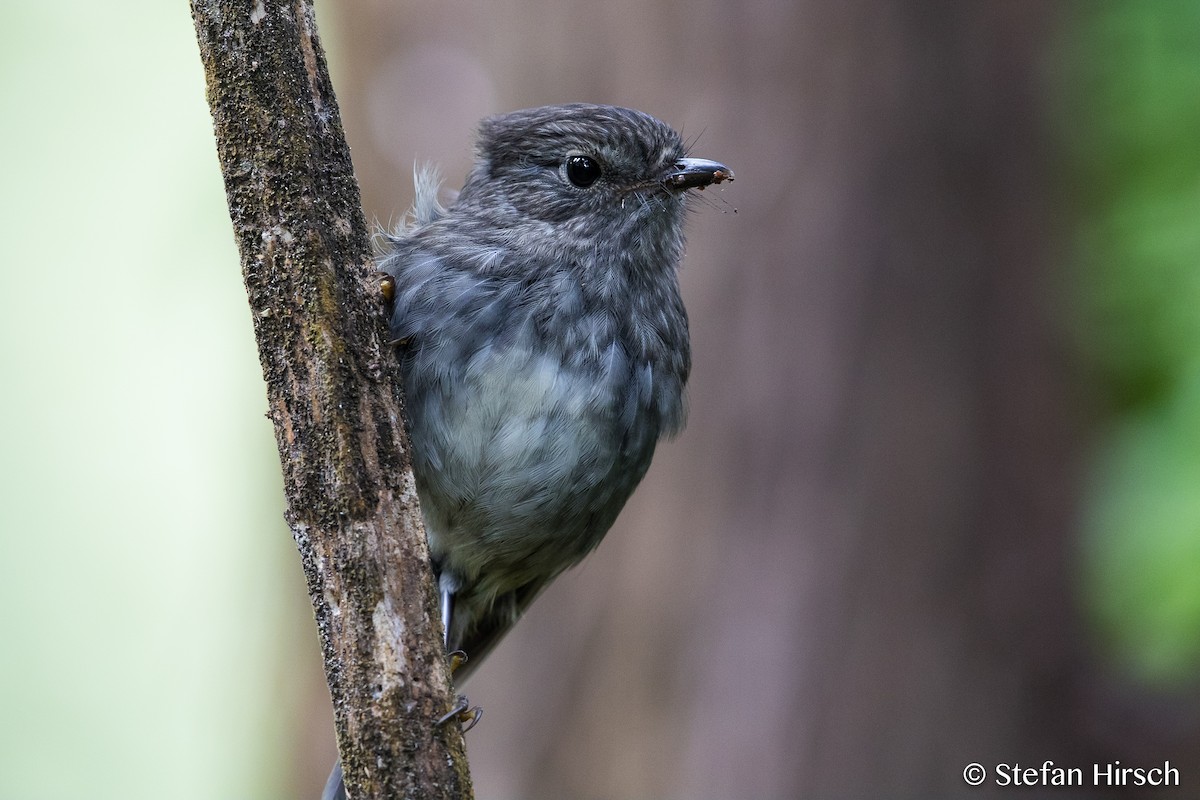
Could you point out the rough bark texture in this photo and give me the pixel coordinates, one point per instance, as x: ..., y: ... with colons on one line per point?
x: 333, y: 395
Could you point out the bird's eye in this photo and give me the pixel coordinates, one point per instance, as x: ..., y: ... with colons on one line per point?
x: 582, y: 171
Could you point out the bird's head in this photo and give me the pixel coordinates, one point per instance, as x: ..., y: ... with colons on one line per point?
x: 585, y: 173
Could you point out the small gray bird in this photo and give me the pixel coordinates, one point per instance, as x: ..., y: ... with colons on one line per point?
x: 543, y: 345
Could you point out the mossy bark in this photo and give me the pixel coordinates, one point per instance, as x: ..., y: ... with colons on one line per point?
x: 333, y: 395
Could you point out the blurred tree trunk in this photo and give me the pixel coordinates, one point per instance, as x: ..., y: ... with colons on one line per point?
x: 852, y: 575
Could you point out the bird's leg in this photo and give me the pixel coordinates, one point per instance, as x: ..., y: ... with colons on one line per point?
x: 447, y: 610
x: 457, y: 657
x: 462, y: 710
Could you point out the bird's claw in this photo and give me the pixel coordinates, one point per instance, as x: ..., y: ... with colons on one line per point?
x: 457, y: 659
x: 387, y: 286
x: 470, y: 718
x: 466, y: 714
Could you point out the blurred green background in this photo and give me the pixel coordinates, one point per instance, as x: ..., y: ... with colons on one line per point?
x: 153, y: 615
x: 1135, y: 170
x: 144, y: 565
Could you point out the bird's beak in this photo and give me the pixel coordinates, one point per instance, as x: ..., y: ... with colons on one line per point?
x: 696, y: 173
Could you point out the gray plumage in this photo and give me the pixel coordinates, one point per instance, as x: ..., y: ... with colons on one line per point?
x: 543, y: 345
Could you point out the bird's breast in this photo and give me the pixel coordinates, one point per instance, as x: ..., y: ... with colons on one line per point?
x: 529, y: 451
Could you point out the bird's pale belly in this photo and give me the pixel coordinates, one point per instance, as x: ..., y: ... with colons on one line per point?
x: 522, y: 464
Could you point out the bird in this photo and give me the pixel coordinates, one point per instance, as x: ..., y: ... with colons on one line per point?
x: 543, y: 348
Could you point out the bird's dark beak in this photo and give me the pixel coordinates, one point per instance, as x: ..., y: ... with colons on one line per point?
x: 696, y: 173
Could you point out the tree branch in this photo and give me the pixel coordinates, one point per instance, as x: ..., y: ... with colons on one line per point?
x: 333, y: 395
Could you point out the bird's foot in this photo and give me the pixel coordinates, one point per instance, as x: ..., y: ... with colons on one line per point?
x: 462, y: 712
x: 387, y: 286
x: 457, y: 659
